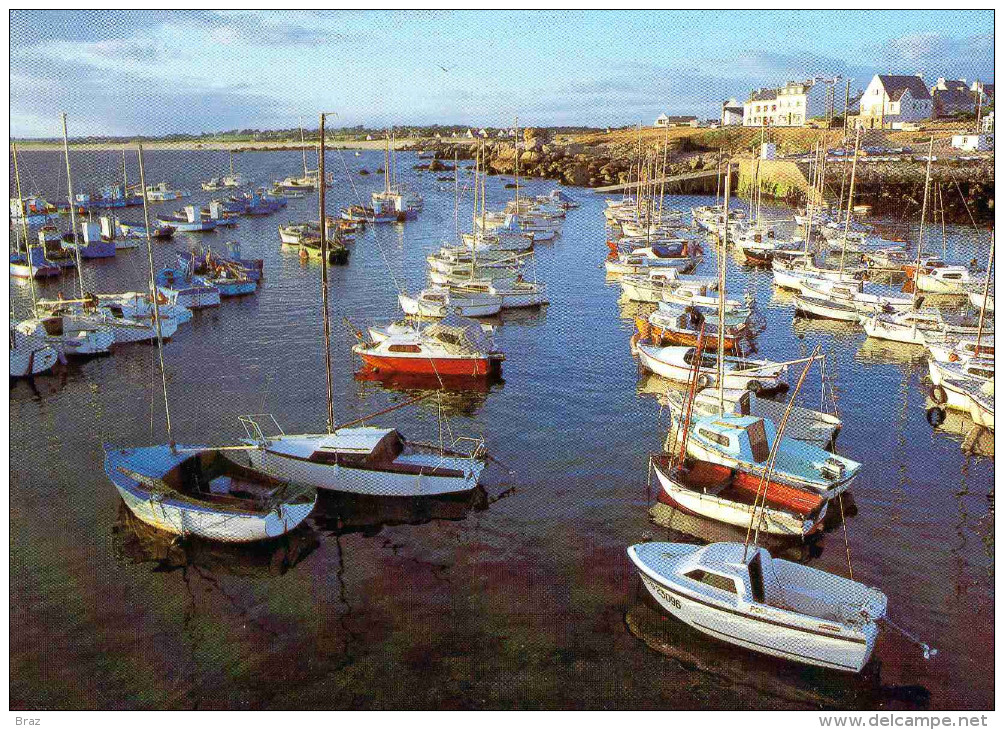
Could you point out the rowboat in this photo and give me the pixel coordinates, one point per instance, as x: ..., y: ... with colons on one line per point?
x: 198, y: 491
x: 745, y: 597
x: 719, y: 493
x: 451, y: 347
x: 682, y: 326
x: 675, y: 363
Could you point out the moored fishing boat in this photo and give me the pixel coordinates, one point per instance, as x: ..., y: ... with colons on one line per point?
x: 39, y: 267
x: 183, y: 289
x: 69, y: 335
x: 675, y: 362
x: 30, y: 355
x: 188, y: 220
x: 745, y: 597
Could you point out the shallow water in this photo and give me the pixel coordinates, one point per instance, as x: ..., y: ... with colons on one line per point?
x: 518, y: 600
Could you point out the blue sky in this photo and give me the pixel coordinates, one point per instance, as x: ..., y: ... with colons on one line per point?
x: 153, y: 72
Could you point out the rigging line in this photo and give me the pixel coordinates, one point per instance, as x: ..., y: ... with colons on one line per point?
x: 376, y: 239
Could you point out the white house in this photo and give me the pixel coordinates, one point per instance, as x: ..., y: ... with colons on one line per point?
x: 664, y: 120
x: 732, y: 113
x: 469, y: 134
x: 952, y: 96
x: 791, y: 105
x: 987, y: 123
x: 890, y: 99
x: 973, y: 142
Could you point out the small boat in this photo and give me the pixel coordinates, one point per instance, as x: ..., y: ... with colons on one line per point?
x: 679, y: 255
x: 682, y: 326
x: 674, y: 362
x: 188, y: 220
x: 89, y: 243
x: 771, y: 606
x: 515, y: 293
x: 133, y: 230
x: 364, y: 460
x: 867, y: 300
x: 231, y: 279
x: 40, y: 267
x: 69, y: 334
x: 198, y: 491
x: 451, y: 347
x: 651, y: 287
x: 160, y: 193
x: 29, y: 355
x: 716, y: 492
x: 90, y: 311
x: 185, y: 290
x: 437, y: 301
x: 918, y: 325
x: 976, y: 299
x: 954, y: 384
x: 819, y: 307
x: 955, y: 349
x: 743, y: 443
x: 945, y: 280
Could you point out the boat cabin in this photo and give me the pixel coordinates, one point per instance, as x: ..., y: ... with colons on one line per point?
x: 745, y: 438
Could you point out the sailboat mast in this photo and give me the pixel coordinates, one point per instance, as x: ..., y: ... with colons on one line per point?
x: 721, y: 292
x: 125, y: 176
x: 324, y: 277
x: 73, y: 209
x: 386, y: 164
x: 24, y: 227
x: 923, y: 215
x: 986, y: 296
x: 850, y: 202
x: 153, y: 291
x: 516, y: 163
x: 303, y: 149
x: 484, y: 186
x: 456, y: 193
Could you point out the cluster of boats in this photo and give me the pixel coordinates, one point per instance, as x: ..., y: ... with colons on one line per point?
x: 737, y: 457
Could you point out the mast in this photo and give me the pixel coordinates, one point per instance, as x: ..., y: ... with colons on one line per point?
x: 24, y: 228
x: 986, y: 295
x: 722, y: 252
x: 484, y: 187
x: 662, y: 185
x: 303, y: 148
x: 850, y: 202
x: 456, y: 193
x: 923, y: 215
x: 125, y: 177
x: 153, y: 292
x: 324, y: 277
x: 516, y: 163
x: 386, y: 164
x: 73, y: 209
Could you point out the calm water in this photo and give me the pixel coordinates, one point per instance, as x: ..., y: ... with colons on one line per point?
x: 518, y: 600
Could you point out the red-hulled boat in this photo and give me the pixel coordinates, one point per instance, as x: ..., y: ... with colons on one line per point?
x: 454, y: 346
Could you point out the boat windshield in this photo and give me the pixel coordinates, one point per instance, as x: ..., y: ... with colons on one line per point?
x: 756, y: 578
x: 758, y: 441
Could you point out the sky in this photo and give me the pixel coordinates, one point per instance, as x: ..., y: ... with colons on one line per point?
x: 156, y: 72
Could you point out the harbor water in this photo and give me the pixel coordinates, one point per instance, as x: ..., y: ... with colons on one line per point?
x: 515, y: 598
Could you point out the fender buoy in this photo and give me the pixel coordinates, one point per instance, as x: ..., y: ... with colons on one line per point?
x: 703, y: 380
x: 938, y: 395
x: 754, y: 387
x: 935, y: 416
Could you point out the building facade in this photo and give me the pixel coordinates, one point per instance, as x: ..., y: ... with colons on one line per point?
x: 732, y: 113
x: 951, y: 97
x: 792, y: 105
x: 664, y: 120
x: 892, y: 100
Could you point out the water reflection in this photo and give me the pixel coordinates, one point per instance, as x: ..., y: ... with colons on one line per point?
x: 136, y: 542
x: 874, y: 351
x: 973, y: 439
x: 340, y: 514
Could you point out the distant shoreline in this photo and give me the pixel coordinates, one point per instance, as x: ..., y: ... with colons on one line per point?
x: 192, y: 145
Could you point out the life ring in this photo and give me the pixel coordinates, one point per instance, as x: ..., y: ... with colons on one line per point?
x: 938, y: 395
x: 935, y: 416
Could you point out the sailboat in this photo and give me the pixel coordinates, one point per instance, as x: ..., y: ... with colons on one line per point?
x: 196, y: 490
x: 223, y: 182
x: 395, y: 201
x: 357, y: 458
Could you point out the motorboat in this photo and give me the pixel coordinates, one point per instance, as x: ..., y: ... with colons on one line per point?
x: 183, y: 289
x: 30, y: 355
x: 743, y: 596
x: 438, y: 301
x: 69, y: 334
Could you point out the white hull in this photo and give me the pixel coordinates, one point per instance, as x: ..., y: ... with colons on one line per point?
x: 192, y: 301
x: 337, y: 478
x: 976, y: 299
x: 31, y: 359
x: 772, y: 521
x: 808, y: 646
x: 892, y: 331
x: 681, y: 373
x: 465, y: 308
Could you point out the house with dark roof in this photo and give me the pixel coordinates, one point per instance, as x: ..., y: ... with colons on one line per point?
x: 951, y: 97
x: 791, y: 105
x: 665, y: 120
x: 893, y: 100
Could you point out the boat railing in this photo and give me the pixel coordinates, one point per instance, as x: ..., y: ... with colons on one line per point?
x: 254, y: 430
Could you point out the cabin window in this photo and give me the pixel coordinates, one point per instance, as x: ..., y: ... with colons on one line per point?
x: 715, y: 581
x: 449, y: 338
x: 720, y: 439
x: 404, y: 348
x: 758, y: 441
x: 982, y: 373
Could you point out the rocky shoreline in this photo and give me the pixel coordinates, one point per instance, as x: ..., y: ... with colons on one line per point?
x: 891, y: 188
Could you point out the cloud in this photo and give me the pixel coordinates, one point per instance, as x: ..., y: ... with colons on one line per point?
x: 938, y: 54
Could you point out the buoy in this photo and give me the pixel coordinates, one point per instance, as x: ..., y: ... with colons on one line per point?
x: 938, y: 395
x: 935, y: 416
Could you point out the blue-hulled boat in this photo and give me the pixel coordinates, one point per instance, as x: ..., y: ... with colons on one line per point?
x: 132, y: 229
x: 89, y: 243
x: 189, y: 220
x: 39, y: 268
x: 182, y: 288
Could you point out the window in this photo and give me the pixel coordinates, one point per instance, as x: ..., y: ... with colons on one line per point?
x: 718, y: 438
x: 715, y: 581
x: 404, y: 348
x: 758, y: 441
